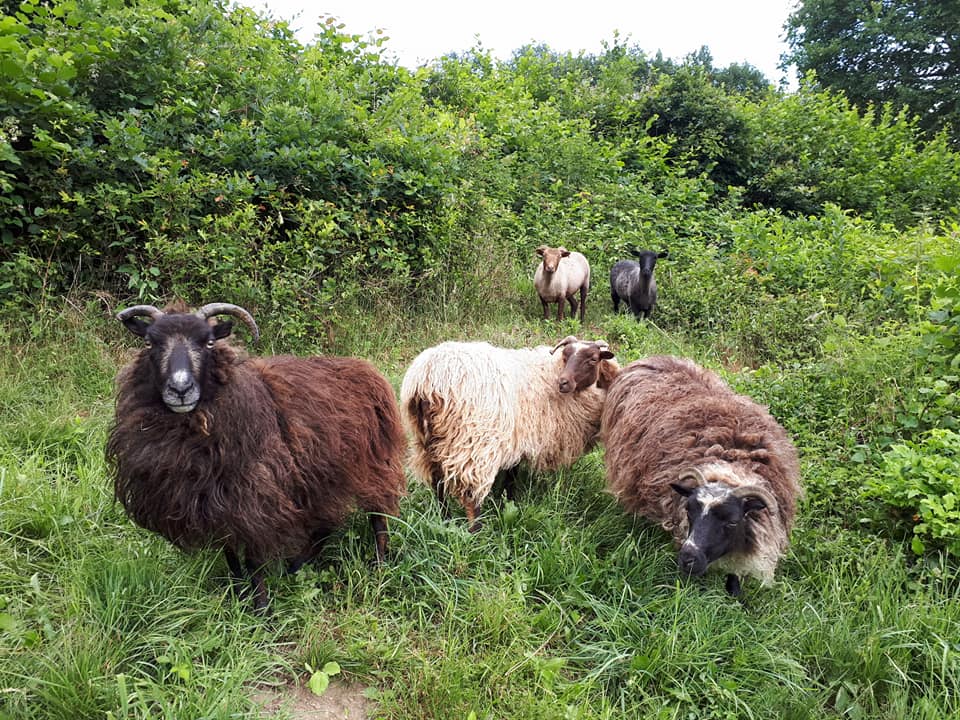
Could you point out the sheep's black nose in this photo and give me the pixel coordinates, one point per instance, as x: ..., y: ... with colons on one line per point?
x: 565, y: 385
x: 182, y: 392
x: 692, y: 563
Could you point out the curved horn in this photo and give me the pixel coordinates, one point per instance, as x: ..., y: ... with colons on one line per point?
x: 566, y: 341
x: 211, y: 309
x: 139, y: 311
x: 693, y: 474
x: 745, y: 491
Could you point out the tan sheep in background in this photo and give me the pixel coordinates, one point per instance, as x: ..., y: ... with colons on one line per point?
x: 561, y: 275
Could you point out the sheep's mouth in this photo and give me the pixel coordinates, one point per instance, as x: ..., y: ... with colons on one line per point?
x: 181, y: 403
x: 181, y: 408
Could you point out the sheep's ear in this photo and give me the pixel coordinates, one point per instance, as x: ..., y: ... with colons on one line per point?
x: 682, y: 489
x: 608, y: 370
x: 222, y: 329
x: 137, y: 326
x: 663, y: 254
x: 540, y: 250
x: 564, y: 252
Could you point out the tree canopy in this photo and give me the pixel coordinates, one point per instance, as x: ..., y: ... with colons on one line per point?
x: 905, y: 52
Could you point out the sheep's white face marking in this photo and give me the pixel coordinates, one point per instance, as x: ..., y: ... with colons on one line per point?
x: 710, y: 496
x: 690, y: 545
x: 581, y: 365
x: 180, y: 363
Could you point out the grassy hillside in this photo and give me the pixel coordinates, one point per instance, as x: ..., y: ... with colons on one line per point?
x: 562, y: 607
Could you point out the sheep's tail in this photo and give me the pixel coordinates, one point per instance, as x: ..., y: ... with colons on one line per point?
x: 418, y: 408
x: 421, y: 412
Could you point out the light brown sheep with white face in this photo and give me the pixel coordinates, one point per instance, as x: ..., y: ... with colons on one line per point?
x: 562, y: 275
x: 712, y: 467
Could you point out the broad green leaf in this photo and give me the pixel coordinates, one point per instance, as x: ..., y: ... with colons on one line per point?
x: 319, y: 682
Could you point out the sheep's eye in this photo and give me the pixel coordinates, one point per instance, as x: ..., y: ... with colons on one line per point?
x: 731, y: 525
x: 210, y: 344
x: 147, y: 344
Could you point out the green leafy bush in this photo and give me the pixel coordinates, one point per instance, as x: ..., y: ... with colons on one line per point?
x: 934, y: 402
x: 922, y: 479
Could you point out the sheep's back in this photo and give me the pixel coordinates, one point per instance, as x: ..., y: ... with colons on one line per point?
x: 665, y: 414
x: 469, y: 393
x: 342, y: 425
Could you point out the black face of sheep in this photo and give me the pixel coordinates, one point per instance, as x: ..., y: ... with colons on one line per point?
x: 716, y: 522
x: 633, y: 282
x: 180, y: 345
x: 647, y: 260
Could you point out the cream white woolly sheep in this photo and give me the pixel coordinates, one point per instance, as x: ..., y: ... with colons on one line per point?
x: 474, y: 409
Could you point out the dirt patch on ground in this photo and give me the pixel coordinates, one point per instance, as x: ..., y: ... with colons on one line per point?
x: 341, y: 701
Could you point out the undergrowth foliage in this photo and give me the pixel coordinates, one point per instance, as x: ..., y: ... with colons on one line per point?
x: 158, y: 149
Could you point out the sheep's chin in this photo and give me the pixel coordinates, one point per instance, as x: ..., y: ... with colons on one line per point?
x: 182, y: 408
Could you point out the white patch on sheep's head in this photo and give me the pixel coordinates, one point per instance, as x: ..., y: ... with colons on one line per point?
x: 180, y: 365
x: 719, y: 519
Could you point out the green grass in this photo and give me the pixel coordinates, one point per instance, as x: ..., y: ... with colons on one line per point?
x: 562, y: 607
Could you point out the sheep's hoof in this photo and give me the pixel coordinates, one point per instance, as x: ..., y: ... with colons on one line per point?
x: 476, y: 527
x: 733, y: 585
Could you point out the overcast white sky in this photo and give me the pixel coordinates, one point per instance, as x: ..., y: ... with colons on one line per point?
x: 740, y: 31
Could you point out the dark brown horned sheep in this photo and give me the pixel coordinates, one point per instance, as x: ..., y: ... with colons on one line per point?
x: 711, y: 466
x: 264, y: 457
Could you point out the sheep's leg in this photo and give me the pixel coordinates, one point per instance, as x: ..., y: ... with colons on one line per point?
x: 546, y: 309
x: 437, y: 482
x: 573, y: 306
x: 381, y: 537
x: 559, y: 309
x: 510, y: 482
x: 233, y: 562
x: 257, y: 585
x: 616, y: 301
x: 474, y: 524
x: 733, y: 585
x: 583, y: 302
x: 317, y: 541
